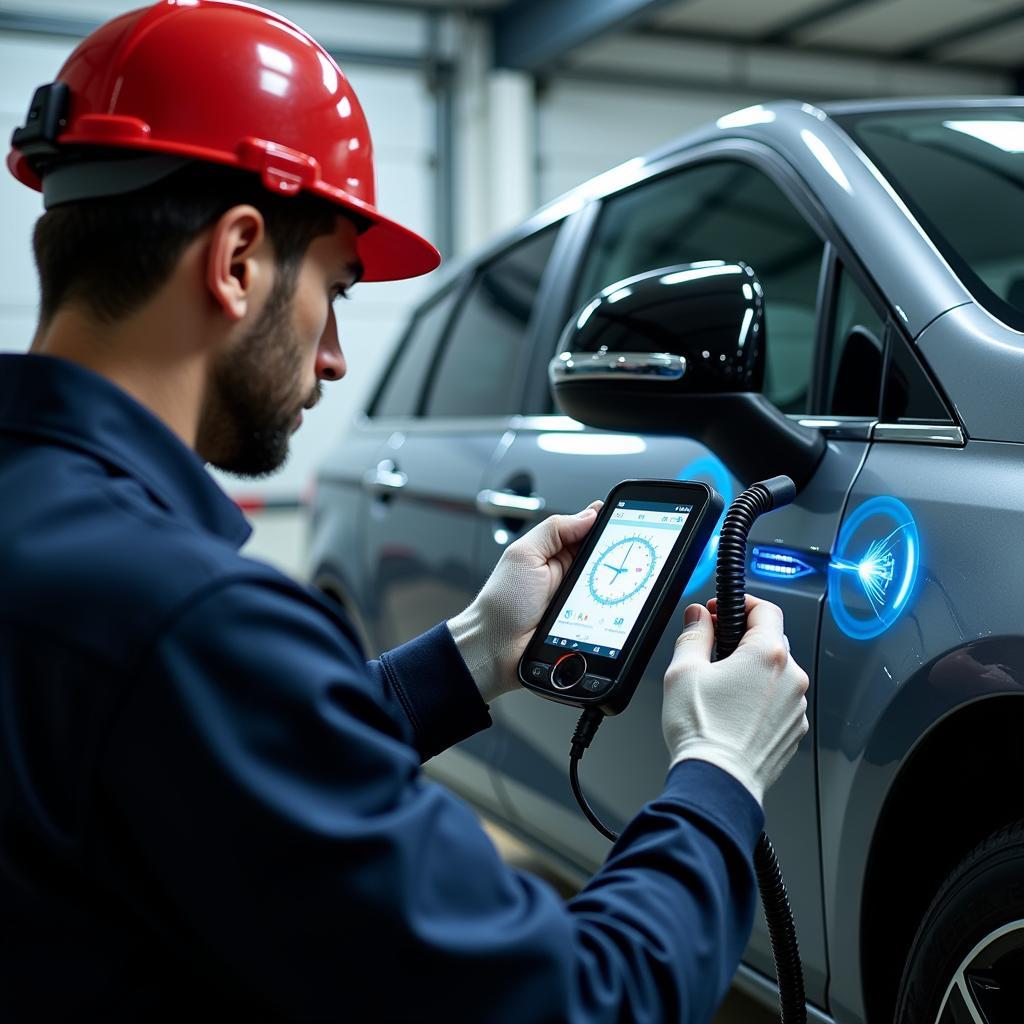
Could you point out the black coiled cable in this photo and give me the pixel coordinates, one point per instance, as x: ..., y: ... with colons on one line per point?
x: 730, y: 585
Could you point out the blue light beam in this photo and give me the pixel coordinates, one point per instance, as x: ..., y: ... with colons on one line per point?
x: 887, y: 561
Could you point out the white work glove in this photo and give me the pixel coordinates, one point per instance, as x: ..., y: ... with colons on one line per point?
x: 745, y: 714
x: 492, y: 633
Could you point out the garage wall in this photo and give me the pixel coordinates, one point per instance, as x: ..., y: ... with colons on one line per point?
x: 585, y: 127
x: 27, y: 62
x: 402, y: 112
x: 624, y: 96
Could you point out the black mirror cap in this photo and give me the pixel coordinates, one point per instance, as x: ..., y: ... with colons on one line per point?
x: 703, y: 325
x: 711, y: 313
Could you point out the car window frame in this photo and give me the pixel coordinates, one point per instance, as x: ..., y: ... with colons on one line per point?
x: 458, y: 287
x: 833, y: 266
x: 894, y: 335
x: 505, y: 245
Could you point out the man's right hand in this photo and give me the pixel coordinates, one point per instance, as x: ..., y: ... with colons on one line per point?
x: 746, y: 714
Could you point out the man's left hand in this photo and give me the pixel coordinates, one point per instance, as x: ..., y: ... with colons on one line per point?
x: 492, y: 633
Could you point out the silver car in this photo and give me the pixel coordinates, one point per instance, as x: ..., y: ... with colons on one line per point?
x: 885, y: 240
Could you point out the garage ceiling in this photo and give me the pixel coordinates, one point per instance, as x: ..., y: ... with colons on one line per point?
x: 539, y: 34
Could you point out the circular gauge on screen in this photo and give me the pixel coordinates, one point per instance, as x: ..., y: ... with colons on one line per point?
x: 623, y: 570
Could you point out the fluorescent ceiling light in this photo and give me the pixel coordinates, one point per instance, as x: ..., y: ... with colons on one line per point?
x: 1005, y: 135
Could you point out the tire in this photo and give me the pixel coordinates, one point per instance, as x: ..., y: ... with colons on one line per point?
x: 966, y: 963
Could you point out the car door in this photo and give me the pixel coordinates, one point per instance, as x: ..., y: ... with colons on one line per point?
x: 730, y: 207
x: 357, y: 476
x: 422, y: 526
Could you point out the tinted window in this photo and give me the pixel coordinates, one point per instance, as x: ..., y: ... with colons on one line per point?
x: 858, y: 345
x: 909, y: 394
x: 961, y: 172
x: 728, y: 211
x: 481, y: 356
x: 405, y: 377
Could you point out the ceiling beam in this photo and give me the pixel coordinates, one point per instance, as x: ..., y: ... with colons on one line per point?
x: 531, y: 35
x: 46, y: 24
x: 961, y: 32
x: 743, y: 45
x: 782, y: 33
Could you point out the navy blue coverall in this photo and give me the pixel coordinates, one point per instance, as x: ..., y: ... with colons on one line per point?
x: 210, y: 803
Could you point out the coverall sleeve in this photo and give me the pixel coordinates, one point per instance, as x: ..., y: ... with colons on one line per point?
x: 427, y: 682
x: 292, y: 841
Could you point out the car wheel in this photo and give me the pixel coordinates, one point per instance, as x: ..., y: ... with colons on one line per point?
x: 966, y: 963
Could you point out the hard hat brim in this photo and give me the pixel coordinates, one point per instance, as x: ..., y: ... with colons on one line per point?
x: 389, y: 251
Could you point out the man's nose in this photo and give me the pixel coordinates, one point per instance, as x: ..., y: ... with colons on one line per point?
x: 330, y: 361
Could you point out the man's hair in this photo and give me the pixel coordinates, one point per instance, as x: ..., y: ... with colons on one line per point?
x: 111, y: 255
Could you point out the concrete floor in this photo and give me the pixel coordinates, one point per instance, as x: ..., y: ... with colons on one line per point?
x: 279, y: 537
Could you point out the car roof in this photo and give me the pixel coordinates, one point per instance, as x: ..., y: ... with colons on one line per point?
x: 842, y: 108
x: 613, y: 179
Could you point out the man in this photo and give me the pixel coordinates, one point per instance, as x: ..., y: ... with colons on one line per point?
x: 210, y: 804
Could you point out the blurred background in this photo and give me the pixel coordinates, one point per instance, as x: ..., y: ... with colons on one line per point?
x: 483, y: 110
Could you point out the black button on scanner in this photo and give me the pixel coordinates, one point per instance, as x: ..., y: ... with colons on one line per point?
x: 596, y: 685
x: 568, y: 671
x: 538, y: 671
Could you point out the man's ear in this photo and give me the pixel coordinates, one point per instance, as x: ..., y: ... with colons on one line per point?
x: 233, y: 259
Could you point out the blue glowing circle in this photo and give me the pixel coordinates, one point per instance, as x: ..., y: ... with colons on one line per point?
x: 873, y: 569
x: 633, y: 557
x: 708, y: 469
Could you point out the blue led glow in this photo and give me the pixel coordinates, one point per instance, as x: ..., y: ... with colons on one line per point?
x: 712, y: 471
x: 874, y: 567
x: 778, y: 564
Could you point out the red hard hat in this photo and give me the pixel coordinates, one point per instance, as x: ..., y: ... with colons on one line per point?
x: 228, y: 83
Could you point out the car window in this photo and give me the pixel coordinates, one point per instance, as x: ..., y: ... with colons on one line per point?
x: 856, y: 353
x: 404, y: 379
x: 721, y: 210
x: 909, y: 395
x: 961, y: 172
x: 485, y: 344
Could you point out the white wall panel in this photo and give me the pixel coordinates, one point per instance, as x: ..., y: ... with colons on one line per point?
x: 27, y: 62
x: 587, y: 127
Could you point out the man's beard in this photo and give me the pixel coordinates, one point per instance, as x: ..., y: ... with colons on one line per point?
x: 250, y: 408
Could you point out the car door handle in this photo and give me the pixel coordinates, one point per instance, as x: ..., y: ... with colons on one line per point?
x: 385, y: 478
x: 509, y: 505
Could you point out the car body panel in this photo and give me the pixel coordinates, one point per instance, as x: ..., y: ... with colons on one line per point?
x: 968, y: 346
x: 420, y: 546
x: 968, y: 503
x: 337, y: 521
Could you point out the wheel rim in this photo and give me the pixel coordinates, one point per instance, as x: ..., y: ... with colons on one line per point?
x: 988, y: 986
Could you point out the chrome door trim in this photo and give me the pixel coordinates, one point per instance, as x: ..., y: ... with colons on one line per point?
x: 507, y: 505
x: 919, y: 433
x: 384, y: 478
x: 852, y: 429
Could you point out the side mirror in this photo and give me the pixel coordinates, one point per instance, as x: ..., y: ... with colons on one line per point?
x: 681, y: 350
